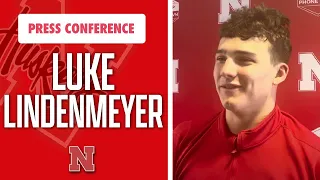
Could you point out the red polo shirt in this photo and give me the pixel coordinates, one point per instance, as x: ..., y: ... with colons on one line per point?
x: 279, y: 148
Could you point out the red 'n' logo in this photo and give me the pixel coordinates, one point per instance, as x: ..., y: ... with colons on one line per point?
x: 77, y: 158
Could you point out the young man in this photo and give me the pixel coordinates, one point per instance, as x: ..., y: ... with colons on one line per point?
x: 251, y: 138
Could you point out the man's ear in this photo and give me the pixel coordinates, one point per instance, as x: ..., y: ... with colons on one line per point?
x: 282, y: 73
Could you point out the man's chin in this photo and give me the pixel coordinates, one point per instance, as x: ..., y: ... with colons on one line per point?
x: 230, y: 105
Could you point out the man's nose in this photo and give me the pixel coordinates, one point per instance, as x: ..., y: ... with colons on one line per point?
x: 229, y: 69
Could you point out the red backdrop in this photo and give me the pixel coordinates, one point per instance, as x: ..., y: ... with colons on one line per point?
x: 196, y: 39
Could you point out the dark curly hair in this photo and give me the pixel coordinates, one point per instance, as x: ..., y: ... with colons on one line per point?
x: 262, y: 22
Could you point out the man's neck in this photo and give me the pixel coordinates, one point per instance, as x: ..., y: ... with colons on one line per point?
x: 247, y: 120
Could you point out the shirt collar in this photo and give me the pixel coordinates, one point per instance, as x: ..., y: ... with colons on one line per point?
x: 253, y: 137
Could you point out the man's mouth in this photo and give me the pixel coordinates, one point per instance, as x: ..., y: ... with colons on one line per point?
x: 230, y: 86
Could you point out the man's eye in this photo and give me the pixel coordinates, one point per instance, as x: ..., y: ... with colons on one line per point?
x: 245, y: 61
x: 221, y: 59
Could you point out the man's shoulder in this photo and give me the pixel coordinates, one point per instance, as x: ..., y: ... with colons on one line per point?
x: 189, y: 130
x: 181, y: 131
x: 300, y: 133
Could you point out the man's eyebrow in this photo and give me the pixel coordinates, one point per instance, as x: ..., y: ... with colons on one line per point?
x: 237, y: 52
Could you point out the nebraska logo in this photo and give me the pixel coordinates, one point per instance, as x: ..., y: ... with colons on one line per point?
x: 77, y: 158
x: 27, y: 68
x: 317, y: 131
x: 310, y: 70
x: 226, y: 5
x: 310, y: 6
x: 175, y: 10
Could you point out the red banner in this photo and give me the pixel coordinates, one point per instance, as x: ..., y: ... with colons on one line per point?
x: 55, y: 128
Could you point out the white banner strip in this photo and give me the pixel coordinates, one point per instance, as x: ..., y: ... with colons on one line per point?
x: 82, y: 28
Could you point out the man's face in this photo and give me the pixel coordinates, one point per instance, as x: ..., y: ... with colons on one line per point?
x: 243, y: 73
